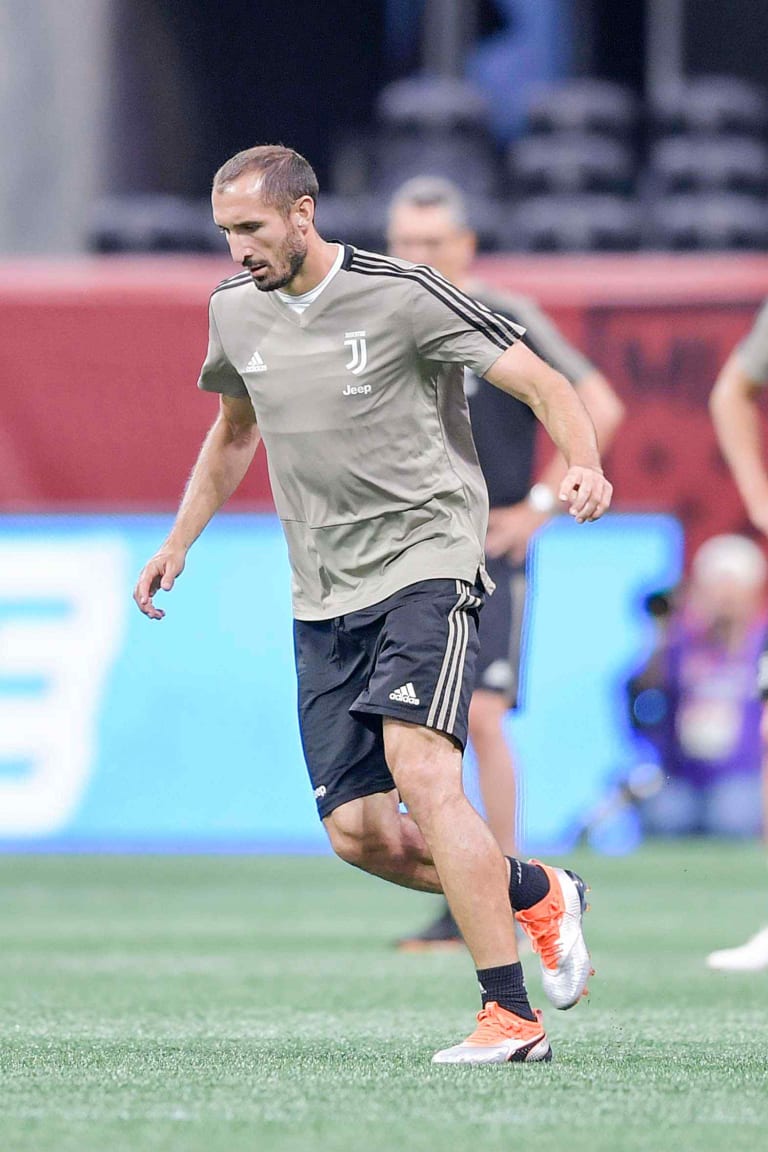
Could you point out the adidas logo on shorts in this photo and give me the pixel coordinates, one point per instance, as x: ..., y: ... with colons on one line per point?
x: 405, y: 695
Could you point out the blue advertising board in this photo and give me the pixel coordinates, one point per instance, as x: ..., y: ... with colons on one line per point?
x: 121, y: 733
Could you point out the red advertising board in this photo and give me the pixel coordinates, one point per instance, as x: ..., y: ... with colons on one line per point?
x: 99, y: 408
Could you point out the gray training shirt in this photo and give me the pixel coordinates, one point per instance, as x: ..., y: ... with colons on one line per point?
x: 360, y: 403
x: 753, y: 350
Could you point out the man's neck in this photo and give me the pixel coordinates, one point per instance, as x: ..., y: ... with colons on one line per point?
x: 317, y: 264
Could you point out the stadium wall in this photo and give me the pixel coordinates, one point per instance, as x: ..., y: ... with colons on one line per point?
x: 119, y: 733
x: 100, y: 358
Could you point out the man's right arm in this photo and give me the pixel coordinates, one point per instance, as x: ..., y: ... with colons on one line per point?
x: 734, y: 408
x: 224, y: 459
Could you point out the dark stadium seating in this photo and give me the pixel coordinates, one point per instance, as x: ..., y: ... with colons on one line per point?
x: 580, y: 179
x: 152, y: 224
x: 571, y: 162
x: 711, y: 104
x: 692, y: 163
x: 362, y: 220
x: 706, y: 220
x: 358, y: 220
x: 432, y: 104
x: 432, y: 125
x: 586, y: 106
x: 571, y: 224
x: 470, y: 163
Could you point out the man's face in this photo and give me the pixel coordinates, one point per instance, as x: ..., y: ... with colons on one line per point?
x: 271, y: 246
x: 429, y: 235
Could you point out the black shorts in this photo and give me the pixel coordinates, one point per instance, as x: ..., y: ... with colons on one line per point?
x: 501, y: 634
x: 411, y: 657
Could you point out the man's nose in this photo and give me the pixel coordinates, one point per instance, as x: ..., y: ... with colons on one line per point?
x: 241, y: 247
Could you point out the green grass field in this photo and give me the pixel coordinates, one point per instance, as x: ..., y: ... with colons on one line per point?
x: 220, y: 1004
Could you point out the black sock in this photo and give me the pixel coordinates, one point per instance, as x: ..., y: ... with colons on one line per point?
x: 506, y: 986
x: 528, y: 883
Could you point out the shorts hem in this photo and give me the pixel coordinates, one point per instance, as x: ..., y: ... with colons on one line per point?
x: 329, y: 804
x: 411, y: 717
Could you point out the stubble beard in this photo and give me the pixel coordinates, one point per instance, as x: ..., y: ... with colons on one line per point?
x: 289, y: 262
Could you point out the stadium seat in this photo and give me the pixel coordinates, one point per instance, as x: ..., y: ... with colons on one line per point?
x: 571, y: 162
x: 469, y: 162
x: 432, y: 103
x: 152, y: 224
x: 429, y: 124
x: 707, y: 220
x: 711, y: 104
x: 585, y: 106
x: 697, y: 163
x: 572, y: 224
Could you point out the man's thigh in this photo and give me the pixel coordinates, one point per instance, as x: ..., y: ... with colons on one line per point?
x: 424, y: 667
x: 344, y: 755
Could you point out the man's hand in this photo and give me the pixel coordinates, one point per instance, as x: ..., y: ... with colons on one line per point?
x: 159, y: 574
x: 510, y: 529
x: 587, y: 492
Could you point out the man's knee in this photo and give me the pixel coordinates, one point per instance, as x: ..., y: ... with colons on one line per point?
x: 426, y: 766
x: 363, y: 832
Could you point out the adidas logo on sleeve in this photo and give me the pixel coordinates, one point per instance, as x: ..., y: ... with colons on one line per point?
x: 405, y: 695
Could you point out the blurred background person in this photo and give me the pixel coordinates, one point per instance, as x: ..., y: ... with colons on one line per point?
x: 428, y: 225
x: 696, y: 698
x: 734, y: 405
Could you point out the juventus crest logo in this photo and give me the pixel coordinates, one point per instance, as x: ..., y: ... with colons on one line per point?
x: 356, y: 341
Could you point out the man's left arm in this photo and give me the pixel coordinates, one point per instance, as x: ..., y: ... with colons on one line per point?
x: 606, y: 412
x: 555, y: 402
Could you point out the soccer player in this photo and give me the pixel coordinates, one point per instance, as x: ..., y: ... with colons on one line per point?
x: 349, y: 366
x: 428, y: 225
x: 734, y: 405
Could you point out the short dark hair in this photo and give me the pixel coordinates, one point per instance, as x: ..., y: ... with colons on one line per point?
x: 286, y: 176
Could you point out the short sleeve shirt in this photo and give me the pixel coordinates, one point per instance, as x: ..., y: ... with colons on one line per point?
x: 360, y: 403
x: 753, y: 350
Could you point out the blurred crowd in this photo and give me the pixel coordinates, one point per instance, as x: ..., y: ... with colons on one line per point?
x: 694, y: 703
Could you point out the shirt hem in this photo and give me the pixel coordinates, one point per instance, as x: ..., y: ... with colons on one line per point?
x: 447, y: 570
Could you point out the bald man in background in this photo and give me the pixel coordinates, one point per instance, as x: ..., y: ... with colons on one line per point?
x: 428, y: 225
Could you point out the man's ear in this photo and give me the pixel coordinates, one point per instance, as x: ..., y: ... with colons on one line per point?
x: 304, y: 212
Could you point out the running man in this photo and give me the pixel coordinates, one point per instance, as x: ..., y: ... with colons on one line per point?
x: 734, y: 405
x: 349, y: 366
x: 428, y: 225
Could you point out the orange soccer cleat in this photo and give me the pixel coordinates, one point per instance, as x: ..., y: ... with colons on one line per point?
x: 500, y: 1038
x: 554, y: 927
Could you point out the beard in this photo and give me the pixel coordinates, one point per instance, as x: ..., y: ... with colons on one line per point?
x: 286, y: 263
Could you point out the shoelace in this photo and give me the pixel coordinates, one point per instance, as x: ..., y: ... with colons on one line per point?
x: 491, y: 1027
x: 547, y: 937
